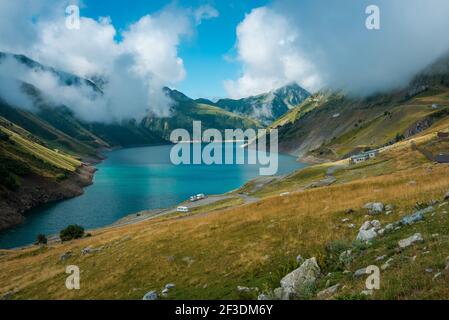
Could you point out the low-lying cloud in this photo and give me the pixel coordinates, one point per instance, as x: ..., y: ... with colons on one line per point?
x: 325, y: 44
x: 133, y: 70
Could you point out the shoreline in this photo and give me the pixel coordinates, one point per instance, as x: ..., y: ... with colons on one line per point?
x: 37, y: 191
x: 132, y: 217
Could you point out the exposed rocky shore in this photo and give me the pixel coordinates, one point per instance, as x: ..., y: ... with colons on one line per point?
x: 36, y: 191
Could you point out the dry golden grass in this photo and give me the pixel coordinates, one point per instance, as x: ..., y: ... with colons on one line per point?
x: 247, y: 245
x: 208, y: 254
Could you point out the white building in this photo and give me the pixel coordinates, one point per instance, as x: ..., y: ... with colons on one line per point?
x: 364, y: 156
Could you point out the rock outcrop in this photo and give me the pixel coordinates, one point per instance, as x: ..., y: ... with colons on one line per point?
x: 36, y: 191
x: 405, y: 243
x: 296, y: 283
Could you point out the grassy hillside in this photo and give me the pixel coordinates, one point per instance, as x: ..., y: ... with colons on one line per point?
x: 333, y: 125
x: 186, y: 110
x: 49, y: 134
x: 22, y: 154
x: 208, y: 254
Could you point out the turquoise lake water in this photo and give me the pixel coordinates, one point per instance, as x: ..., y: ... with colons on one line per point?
x: 132, y: 180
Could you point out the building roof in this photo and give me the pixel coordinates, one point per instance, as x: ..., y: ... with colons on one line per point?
x: 442, y: 158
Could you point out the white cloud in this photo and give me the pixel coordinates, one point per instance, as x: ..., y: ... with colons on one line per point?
x: 135, y: 69
x: 321, y: 43
x: 205, y: 12
x: 269, y: 50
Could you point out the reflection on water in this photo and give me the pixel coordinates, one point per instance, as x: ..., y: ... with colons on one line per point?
x: 131, y: 180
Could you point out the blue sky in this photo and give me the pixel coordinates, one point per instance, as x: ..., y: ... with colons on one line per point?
x: 204, y: 53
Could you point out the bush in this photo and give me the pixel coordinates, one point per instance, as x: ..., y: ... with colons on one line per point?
x: 41, y: 239
x: 71, y: 232
x: 3, y: 136
x: 8, y: 180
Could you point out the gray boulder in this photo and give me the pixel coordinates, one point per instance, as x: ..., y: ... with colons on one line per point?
x: 328, y: 292
x: 152, y: 295
x: 169, y: 286
x: 90, y: 250
x: 359, y: 273
x: 243, y: 289
x: 374, y: 207
x: 301, y: 279
x: 368, y: 231
x: 411, y: 219
x: 262, y: 297
x: 279, y: 294
x: 404, y: 243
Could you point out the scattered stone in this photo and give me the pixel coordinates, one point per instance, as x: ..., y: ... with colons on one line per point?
x: 169, y: 286
x: 360, y: 272
x: 389, y: 207
x: 435, y: 277
x: 404, y: 243
x: 299, y: 259
x: 414, y: 258
x: 386, y: 265
x: 390, y: 227
x: 387, y: 213
x: 262, y: 297
x: 380, y: 258
x: 412, y: 182
x: 374, y: 207
x: 351, y: 226
x: 368, y: 231
x: 381, y: 232
x: 300, y: 279
x: 435, y: 235
x: 243, y: 289
x: 164, y: 293
x: 7, y: 296
x: 345, y: 220
x: 366, y: 235
x: 367, y: 292
x: 329, y: 291
x: 65, y: 256
x: 429, y: 270
x: 411, y: 219
x: 152, y: 295
x: 89, y: 250
x: 347, y: 272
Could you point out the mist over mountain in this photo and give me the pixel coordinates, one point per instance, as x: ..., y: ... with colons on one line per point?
x: 269, y: 106
x: 325, y: 44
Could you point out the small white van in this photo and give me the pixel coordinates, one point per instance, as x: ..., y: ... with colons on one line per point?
x: 182, y: 209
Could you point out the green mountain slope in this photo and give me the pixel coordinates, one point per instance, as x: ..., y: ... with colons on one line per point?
x: 33, y: 173
x: 187, y: 110
x: 334, y: 125
x: 269, y: 106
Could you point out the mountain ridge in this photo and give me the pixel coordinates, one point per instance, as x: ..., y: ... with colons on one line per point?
x: 269, y: 106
